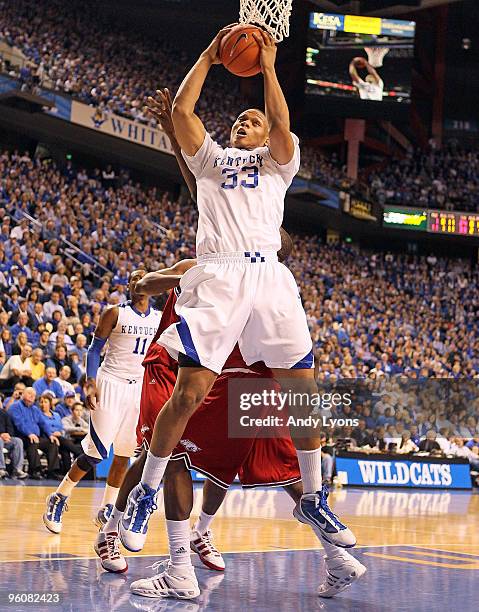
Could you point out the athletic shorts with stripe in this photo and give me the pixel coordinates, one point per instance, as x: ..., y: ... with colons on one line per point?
x: 249, y: 298
x: 115, y: 418
x: 205, y: 445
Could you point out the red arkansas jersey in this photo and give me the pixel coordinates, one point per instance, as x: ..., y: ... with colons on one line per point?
x: 159, y: 356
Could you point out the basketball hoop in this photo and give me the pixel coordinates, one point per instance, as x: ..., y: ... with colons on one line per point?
x: 272, y: 15
x: 376, y: 55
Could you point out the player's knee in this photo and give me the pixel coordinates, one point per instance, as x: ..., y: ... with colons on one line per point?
x: 174, y: 469
x: 120, y: 460
x: 184, y: 402
x: 85, y: 462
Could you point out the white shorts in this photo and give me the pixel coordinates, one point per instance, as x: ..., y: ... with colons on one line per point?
x: 248, y: 298
x: 115, y: 418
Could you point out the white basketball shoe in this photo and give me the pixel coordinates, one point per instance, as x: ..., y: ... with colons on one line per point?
x: 56, y: 506
x: 171, y: 581
x: 203, y: 546
x: 107, y: 547
x: 340, y: 575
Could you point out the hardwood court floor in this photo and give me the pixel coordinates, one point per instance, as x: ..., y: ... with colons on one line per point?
x: 421, y: 549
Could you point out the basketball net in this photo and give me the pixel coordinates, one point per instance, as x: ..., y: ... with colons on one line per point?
x: 376, y: 55
x: 271, y: 15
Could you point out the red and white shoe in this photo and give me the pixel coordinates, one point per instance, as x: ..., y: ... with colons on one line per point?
x: 107, y: 547
x: 205, y: 549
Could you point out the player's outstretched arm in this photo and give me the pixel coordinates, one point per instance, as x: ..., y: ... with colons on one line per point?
x: 189, y: 130
x: 353, y: 73
x: 160, y: 108
x: 155, y: 283
x: 106, y: 324
x: 373, y: 72
x: 281, y: 144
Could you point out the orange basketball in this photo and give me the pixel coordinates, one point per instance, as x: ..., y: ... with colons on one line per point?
x: 360, y: 62
x: 239, y: 52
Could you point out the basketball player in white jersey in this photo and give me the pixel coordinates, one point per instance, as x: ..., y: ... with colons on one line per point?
x: 372, y: 87
x: 114, y: 392
x: 237, y: 292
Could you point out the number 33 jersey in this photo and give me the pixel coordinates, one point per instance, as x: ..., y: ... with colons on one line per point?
x: 129, y: 341
x: 240, y: 197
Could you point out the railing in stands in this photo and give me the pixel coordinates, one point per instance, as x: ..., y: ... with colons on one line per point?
x: 66, y: 247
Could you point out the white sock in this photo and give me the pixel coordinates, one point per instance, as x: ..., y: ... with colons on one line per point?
x: 66, y: 486
x: 203, y: 522
x: 179, y: 542
x: 109, y: 495
x: 310, y: 468
x: 154, y: 469
x: 334, y: 552
x: 114, y: 520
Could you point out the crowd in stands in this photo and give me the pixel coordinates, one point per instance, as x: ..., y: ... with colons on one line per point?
x: 70, y: 47
x: 315, y: 165
x: 446, y: 178
x: 73, y: 48
x: 403, y: 415
x: 373, y: 316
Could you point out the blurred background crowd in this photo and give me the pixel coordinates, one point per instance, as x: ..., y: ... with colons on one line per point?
x: 70, y: 237
x: 71, y: 48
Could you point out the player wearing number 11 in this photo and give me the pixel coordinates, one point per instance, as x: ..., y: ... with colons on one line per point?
x: 113, y: 396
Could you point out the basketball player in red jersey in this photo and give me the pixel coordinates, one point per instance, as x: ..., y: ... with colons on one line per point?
x: 258, y: 462
x: 204, y: 446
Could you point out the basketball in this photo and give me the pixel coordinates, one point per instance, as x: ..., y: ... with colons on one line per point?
x: 239, y: 52
x: 360, y: 62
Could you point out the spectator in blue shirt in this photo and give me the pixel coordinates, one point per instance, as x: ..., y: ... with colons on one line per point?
x: 48, y: 383
x: 13, y: 446
x: 60, y: 358
x: 27, y: 420
x: 51, y: 423
x: 65, y: 407
x: 22, y: 326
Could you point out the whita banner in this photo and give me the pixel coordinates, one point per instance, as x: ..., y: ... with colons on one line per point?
x: 115, y: 125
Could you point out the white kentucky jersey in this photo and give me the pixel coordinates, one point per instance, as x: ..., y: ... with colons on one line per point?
x: 240, y: 197
x: 370, y: 91
x: 129, y: 341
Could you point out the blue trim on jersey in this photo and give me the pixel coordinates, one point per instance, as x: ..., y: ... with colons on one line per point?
x: 141, y: 314
x: 186, y: 339
x: 305, y: 363
x: 97, y: 442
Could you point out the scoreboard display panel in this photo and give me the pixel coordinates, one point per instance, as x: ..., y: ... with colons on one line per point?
x: 453, y: 223
x: 460, y: 224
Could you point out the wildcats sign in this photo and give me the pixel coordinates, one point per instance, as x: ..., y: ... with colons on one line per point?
x: 403, y: 473
x: 114, y: 125
x: 396, y: 473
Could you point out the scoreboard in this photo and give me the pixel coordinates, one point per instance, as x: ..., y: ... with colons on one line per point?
x: 461, y: 224
x: 451, y: 223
